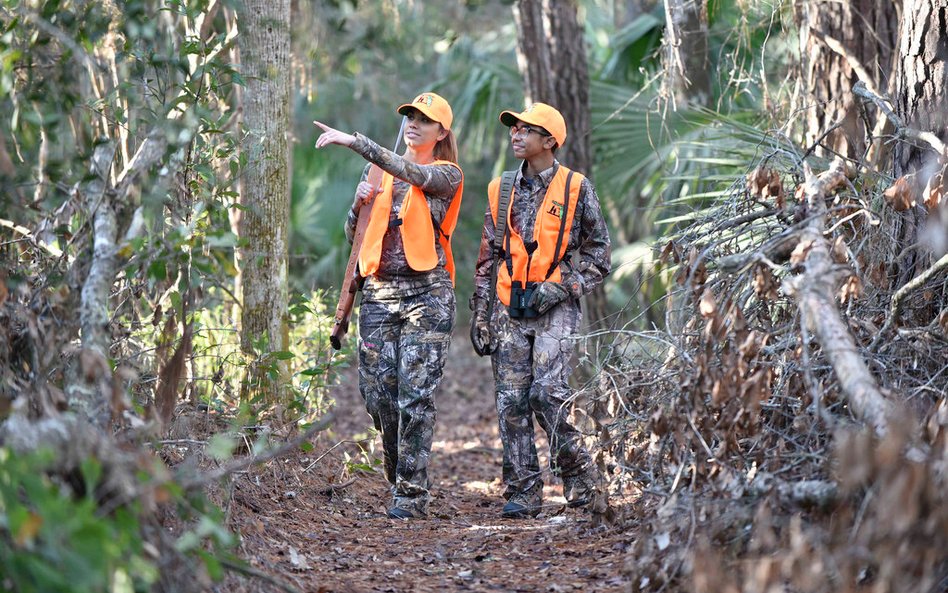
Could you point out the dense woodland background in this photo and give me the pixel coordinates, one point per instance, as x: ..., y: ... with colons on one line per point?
x: 767, y: 365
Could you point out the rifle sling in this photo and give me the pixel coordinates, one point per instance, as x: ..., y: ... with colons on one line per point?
x: 500, y: 235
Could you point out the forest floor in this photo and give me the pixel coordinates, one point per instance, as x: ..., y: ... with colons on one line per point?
x: 317, y: 522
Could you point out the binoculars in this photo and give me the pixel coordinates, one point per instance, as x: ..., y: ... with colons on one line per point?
x: 519, y: 297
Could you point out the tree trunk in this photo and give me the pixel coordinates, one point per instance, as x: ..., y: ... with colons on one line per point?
x: 922, y: 103
x: 922, y: 80
x: 551, y: 55
x: 90, y: 377
x: 265, y: 184
x: 686, y: 53
x: 840, y: 44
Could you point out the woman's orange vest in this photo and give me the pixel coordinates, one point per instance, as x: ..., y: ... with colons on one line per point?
x: 416, y: 226
x: 555, y: 213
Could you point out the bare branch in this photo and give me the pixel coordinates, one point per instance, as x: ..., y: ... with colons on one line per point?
x: 860, y: 89
x: 243, y: 463
x: 895, y: 309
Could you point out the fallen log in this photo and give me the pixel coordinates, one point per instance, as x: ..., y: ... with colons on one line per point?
x: 815, y: 291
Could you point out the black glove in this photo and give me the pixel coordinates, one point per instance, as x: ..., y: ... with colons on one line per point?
x: 546, y: 295
x: 481, y: 337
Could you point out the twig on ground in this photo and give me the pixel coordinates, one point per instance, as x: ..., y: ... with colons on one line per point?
x: 253, y: 572
x: 237, y: 465
x: 328, y: 451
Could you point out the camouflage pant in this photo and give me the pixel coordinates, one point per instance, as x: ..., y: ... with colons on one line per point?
x: 532, y: 365
x: 403, y: 343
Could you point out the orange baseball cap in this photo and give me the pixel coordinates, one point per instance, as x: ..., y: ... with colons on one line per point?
x: 432, y: 105
x: 539, y: 114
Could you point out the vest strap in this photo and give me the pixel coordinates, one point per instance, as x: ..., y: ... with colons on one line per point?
x: 500, y: 235
x: 559, y: 238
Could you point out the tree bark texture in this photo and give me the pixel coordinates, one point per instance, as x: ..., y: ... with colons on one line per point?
x: 90, y: 389
x: 685, y: 56
x: 840, y: 44
x: 90, y: 377
x: 922, y: 103
x: 264, y: 41
x: 922, y: 81
x: 551, y: 55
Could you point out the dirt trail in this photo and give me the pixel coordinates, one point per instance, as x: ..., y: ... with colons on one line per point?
x: 322, y: 527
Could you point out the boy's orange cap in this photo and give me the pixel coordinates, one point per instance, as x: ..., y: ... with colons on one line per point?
x: 539, y: 114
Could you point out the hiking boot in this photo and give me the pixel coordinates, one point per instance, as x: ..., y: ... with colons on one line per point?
x: 579, y: 490
x: 515, y: 510
x: 400, y: 513
x: 522, y: 506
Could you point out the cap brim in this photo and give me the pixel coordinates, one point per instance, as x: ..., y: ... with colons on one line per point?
x: 404, y: 110
x: 509, y: 118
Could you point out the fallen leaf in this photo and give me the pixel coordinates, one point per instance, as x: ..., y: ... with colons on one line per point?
x: 298, y: 560
x: 765, y: 283
x: 877, y: 275
x: 933, y: 195
x: 765, y: 183
x: 850, y: 290
x: 840, y: 251
x: 707, y: 307
x: 662, y: 540
x: 800, y: 252
x: 899, y: 196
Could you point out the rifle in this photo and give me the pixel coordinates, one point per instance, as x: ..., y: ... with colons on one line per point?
x: 353, y: 279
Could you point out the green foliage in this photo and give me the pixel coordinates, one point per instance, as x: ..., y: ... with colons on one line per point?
x: 657, y: 169
x: 54, y: 540
x: 55, y: 535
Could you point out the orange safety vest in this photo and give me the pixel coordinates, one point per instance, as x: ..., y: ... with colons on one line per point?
x: 416, y: 226
x: 550, y: 231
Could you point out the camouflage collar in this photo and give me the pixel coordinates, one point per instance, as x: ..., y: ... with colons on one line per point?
x: 545, y: 176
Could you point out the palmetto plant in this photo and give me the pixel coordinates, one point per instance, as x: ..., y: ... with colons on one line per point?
x: 657, y: 169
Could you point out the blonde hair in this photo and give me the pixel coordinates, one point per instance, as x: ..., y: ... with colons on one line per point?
x: 447, y: 148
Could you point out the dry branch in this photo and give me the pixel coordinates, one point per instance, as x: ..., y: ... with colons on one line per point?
x: 241, y: 464
x: 816, y: 294
x: 861, y: 90
x: 818, y: 493
x: 895, y: 309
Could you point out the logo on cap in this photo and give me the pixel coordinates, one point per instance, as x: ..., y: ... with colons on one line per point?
x: 426, y: 99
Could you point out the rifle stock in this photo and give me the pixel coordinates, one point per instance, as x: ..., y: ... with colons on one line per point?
x: 352, y: 281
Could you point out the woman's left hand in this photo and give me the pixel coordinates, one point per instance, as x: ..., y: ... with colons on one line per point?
x: 332, y: 136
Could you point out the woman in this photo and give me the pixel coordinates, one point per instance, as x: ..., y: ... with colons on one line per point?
x: 408, y: 306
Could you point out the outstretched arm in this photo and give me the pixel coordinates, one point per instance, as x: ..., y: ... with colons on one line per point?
x: 332, y: 136
x: 435, y: 180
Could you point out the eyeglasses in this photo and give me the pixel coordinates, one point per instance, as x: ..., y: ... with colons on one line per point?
x: 523, y: 130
